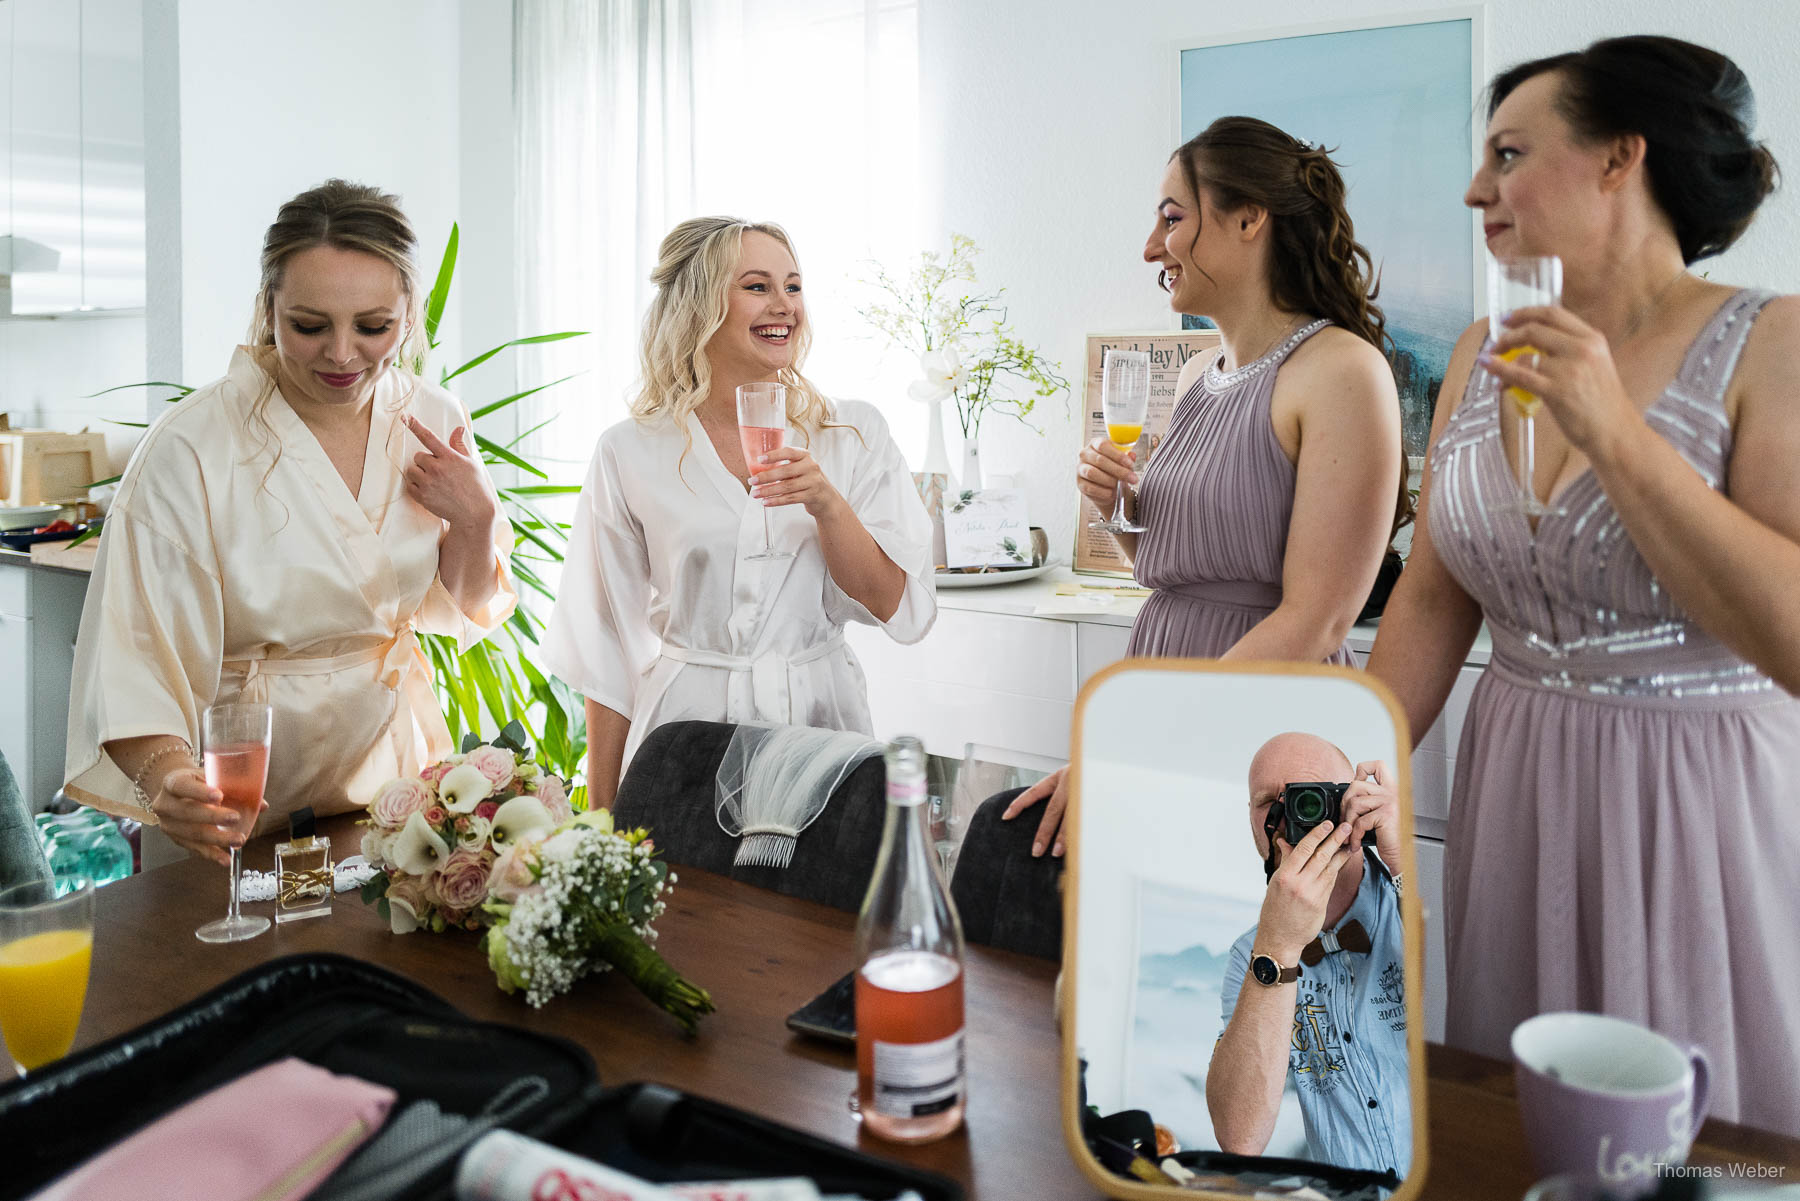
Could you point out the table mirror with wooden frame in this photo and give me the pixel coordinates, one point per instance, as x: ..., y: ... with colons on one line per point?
x: 1314, y: 1081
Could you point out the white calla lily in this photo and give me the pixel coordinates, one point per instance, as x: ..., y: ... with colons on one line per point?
x: 517, y: 818
x: 943, y: 375
x: 463, y: 788
x: 401, y: 917
x: 418, y: 851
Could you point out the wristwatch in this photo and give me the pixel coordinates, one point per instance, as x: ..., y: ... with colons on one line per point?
x: 1268, y: 973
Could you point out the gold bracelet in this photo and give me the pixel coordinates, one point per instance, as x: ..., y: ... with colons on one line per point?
x: 137, y: 784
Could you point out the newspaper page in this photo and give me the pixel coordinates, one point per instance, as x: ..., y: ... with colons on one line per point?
x: 1095, y: 550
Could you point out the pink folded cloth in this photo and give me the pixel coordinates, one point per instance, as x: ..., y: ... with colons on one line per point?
x: 272, y: 1135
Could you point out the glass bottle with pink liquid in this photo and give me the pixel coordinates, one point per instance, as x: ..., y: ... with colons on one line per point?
x: 762, y: 429
x: 235, y: 748
x: 911, y: 1079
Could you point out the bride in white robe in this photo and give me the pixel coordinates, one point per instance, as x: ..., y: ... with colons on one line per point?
x: 660, y: 615
x: 281, y: 535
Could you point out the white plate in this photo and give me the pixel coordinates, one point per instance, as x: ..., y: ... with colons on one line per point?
x: 985, y: 579
x: 28, y: 517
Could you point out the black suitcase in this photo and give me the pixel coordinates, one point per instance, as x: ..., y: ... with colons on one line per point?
x: 361, y: 1020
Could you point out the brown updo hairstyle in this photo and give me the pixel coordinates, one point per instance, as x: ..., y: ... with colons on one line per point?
x: 1316, y: 265
x: 1694, y: 109
x: 347, y: 216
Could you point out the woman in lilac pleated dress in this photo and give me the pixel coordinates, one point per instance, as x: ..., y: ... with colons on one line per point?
x: 1272, y: 496
x: 1624, y: 834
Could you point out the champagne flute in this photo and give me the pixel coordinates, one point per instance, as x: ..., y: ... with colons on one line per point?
x: 1124, y: 401
x: 1524, y: 282
x: 235, y: 746
x: 762, y: 429
x: 46, y: 945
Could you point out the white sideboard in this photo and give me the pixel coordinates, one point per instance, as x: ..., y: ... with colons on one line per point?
x: 996, y: 679
x: 40, y: 611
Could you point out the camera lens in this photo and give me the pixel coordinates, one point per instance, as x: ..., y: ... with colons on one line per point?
x: 1307, y: 805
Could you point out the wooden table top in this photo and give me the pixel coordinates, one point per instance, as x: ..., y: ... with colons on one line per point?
x: 762, y: 956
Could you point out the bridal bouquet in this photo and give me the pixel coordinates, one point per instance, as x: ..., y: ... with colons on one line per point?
x: 435, y: 838
x: 581, y: 899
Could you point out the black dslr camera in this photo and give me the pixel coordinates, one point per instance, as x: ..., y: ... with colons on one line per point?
x: 1301, y: 807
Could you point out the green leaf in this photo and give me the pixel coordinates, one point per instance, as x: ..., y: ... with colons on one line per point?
x: 180, y: 389
x: 440, y: 291
x: 136, y: 425
x: 500, y: 452
x: 470, y: 742
x: 111, y: 479
x: 479, y: 359
x: 542, y: 490
x: 497, y: 405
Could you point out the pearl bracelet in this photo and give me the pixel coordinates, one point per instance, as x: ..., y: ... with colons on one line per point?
x: 137, y: 785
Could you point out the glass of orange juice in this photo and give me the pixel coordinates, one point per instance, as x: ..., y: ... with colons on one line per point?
x: 46, y: 944
x: 1517, y: 283
x: 1124, y: 402
x: 235, y: 747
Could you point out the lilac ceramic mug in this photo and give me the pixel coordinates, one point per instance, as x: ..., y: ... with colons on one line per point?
x: 1606, y: 1098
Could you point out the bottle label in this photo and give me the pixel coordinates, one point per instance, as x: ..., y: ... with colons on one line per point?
x: 906, y: 792
x: 916, y: 1080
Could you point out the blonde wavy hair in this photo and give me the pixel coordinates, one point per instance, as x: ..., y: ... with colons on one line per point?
x: 694, y: 270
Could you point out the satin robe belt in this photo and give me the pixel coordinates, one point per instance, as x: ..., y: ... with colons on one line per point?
x: 404, y: 669
x: 1666, y: 664
x: 395, y: 656
x: 759, y: 686
x: 1245, y: 594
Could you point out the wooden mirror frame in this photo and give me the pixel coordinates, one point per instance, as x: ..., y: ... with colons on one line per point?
x: 1411, y: 915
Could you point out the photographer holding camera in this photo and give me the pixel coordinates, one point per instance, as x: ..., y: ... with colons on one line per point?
x: 1315, y: 987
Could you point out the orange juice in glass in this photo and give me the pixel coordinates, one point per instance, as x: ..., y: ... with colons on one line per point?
x: 1124, y: 403
x: 1525, y: 282
x: 46, y: 945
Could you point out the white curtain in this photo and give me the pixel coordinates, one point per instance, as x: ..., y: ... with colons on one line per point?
x: 634, y: 115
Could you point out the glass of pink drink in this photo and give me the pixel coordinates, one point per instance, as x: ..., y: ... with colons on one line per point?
x: 762, y: 429
x: 235, y: 746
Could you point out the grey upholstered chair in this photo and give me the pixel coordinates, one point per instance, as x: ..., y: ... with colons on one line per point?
x: 1006, y: 898
x: 669, y: 789
x: 21, y: 858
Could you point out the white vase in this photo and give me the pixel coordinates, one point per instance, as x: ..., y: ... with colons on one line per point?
x: 971, y: 472
x: 937, y: 459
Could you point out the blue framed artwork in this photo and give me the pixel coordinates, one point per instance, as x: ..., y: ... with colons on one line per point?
x: 1395, y: 102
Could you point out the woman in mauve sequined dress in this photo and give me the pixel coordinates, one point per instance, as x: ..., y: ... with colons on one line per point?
x: 1272, y: 496
x: 1624, y: 833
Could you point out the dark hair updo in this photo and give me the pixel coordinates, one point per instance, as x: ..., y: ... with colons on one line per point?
x: 1316, y: 265
x: 1694, y: 109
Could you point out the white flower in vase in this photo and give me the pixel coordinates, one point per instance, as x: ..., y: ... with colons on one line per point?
x: 942, y: 374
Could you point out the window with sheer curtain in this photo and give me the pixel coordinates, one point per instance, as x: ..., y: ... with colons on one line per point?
x: 636, y: 114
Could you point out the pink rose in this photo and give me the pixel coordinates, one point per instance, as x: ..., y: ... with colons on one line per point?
x: 463, y: 882
x: 435, y: 772
x: 436, y: 816
x: 494, y: 762
x: 399, y: 800
x: 556, y: 801
x: 487, y: 809
x: 512, y: 872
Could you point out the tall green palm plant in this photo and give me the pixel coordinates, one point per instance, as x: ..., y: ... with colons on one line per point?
x: 495, y: 682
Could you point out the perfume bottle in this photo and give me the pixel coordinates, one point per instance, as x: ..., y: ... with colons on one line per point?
x: 302, y: 870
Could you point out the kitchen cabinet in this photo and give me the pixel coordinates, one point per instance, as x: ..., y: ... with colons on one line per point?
x: 40, y: 612
x: 72, y: 78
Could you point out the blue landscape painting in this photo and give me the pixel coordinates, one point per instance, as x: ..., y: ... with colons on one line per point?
x: 1393, y: 104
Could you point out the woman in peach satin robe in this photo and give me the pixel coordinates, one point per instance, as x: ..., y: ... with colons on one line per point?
x: 281, y: 535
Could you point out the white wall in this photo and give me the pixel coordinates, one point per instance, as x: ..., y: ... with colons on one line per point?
x: 1046, y: 125
x: 275, y: 99
x: 49, y: 370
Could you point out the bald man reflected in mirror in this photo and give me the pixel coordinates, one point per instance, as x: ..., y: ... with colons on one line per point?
x: 1313, y: 993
